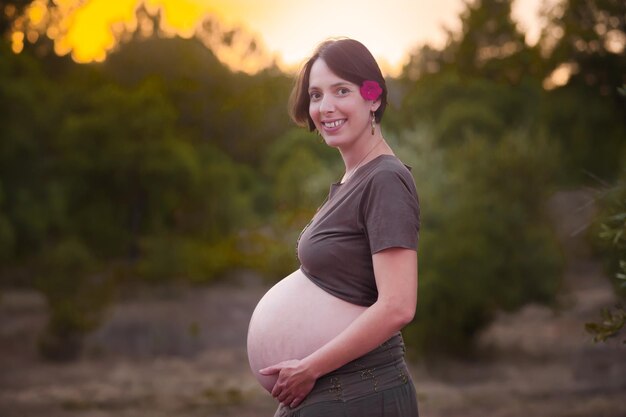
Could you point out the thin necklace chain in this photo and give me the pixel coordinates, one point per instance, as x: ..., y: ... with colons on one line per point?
x: 327, y: 197
x: 348, y: 175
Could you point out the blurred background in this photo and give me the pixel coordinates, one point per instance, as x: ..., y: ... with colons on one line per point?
x: 152, y: 188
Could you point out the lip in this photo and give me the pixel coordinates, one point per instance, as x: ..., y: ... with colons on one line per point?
x: 334, y: 125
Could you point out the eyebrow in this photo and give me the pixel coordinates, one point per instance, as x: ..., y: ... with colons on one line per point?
x: 337, y: 84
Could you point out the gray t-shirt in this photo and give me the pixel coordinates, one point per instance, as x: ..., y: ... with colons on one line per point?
x: 376, y: 209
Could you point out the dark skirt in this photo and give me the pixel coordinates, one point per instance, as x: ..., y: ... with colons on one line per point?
x: 377, y: 384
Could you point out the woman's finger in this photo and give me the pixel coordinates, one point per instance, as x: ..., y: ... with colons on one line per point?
x: 283, y: 397
x: 296, y: 402
x: 270, y: 370
x: 277, y: 390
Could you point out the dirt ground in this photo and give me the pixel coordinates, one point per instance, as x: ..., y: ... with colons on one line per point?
x: 181, y: 352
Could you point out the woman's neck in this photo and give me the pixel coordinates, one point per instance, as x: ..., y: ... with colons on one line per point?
x: 362, y: 152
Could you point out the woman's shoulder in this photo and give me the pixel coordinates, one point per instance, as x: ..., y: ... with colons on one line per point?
x: 388, y: 168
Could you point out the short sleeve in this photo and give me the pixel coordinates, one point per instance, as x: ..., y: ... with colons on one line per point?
x: 391, y: 211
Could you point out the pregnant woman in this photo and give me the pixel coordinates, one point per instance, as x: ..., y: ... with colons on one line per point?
x: 325, y: 341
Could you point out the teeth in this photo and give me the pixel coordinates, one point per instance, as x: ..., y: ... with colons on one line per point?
x: 333, y: 124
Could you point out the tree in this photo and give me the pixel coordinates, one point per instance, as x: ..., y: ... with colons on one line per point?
x: 11, y: 10
x: 32, y: 201
x: 238, y: 112
x: 584, y: 42
x: 77, y: 290
x: 488, y: 45
x: 485, y: 244
x: 590, y: 35
x: 458, y: 108
x: 611, y: 230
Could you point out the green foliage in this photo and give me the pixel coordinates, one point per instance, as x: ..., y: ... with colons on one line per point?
x: 610, y: 326
x: 167, y: 258
x: 299, y: 168
x: 164, y: 161
x: 28, y: 111
x: 589, y: 34
x: 485, y: 244
x: 7, y: 234
x: 271, y: 250
x: 221, y: 201
x: 104, y: 167
x: 9, y: 11
x: 593, y: 139
x: 587, y: 114
x: 614, y: 232
x: 465, y: 88
x: 121, y: 144
x: 239, y: 113
x: 459, y: 109
x: 611, y: 230
x: 76, y: 295
x: 490, y: 45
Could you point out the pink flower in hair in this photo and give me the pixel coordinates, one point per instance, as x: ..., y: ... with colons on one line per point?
x: 370, y: 90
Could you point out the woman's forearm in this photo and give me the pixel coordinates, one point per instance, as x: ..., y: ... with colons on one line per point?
x: 376, y: 325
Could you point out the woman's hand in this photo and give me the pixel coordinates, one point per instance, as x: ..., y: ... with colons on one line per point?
x: 294, y: 382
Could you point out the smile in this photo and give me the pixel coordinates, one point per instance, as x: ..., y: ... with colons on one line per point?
x: 334, y: 123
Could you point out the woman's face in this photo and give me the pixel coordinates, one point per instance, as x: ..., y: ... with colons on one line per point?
x: 337, y: 108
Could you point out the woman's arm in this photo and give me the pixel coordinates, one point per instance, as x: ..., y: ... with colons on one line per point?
x: 395, y: 270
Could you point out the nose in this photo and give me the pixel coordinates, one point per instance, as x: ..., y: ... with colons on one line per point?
x: 327, y: 104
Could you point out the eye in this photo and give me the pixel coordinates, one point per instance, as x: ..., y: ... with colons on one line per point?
x: 314, y: 95
x: 342, y: 91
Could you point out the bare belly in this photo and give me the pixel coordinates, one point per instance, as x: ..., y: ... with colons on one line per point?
x: 293, y: 319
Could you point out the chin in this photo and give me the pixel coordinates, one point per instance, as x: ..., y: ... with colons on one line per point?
x: 331, y: 143
x: 334, y: 141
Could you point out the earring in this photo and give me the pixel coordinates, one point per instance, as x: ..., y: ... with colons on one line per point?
x: 373, y: 123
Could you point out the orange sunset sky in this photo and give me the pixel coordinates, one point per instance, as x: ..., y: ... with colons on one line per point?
x: 288, y: 30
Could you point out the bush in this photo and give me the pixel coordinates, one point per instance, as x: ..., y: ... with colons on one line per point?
x: 485, y: 243
x: 190, y: 259
x: 76, y: 297
x: 610, y: 229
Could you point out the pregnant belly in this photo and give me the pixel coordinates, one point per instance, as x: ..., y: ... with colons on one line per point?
x: 293, y: 319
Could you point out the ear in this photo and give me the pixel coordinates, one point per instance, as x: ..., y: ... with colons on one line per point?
x: 375, y: 105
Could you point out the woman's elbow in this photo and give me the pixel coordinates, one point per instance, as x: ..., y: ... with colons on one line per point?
x: 401, y: 313
x: 407, y: 315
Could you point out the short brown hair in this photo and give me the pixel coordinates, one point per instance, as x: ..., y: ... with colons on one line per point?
x: 348, y: 59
